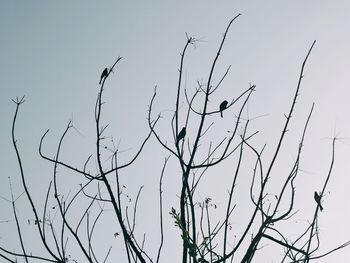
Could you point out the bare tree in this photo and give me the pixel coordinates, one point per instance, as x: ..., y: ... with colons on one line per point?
x: 203, y: 238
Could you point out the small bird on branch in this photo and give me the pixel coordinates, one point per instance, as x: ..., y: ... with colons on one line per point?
x: 181, y: 135
x: 103, y: 75
x: 317, y: 198
x: 223, y: 106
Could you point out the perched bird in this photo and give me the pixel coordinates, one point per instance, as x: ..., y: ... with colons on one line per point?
x: 181, y: 135
x: 103, y: 75
x: 317, y: 198
x: 223, y: 106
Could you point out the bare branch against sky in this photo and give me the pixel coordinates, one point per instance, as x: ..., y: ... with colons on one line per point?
x: 174, y: 131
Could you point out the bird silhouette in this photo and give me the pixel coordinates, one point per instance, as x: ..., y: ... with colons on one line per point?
x: 103, y: 75
x: 317, y: 198
x: 181, y: 135
x: 223, y: 106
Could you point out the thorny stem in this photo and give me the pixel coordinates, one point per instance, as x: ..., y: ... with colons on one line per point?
x: 185, y: 186
x: 104, y: 178
x: 318, y: 207
x: 14, y: 141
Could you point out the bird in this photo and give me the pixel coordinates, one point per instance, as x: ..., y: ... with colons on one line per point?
x: 223, y: 106
x: 181, y: 135
x: 103, y: 75
x: 317, y: 198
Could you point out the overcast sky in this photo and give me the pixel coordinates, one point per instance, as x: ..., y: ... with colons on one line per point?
x: 53, y: 52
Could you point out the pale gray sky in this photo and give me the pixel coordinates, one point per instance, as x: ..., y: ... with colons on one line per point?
x: 54, y: 51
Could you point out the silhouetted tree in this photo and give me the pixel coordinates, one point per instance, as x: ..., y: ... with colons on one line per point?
x: 203, y: 239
